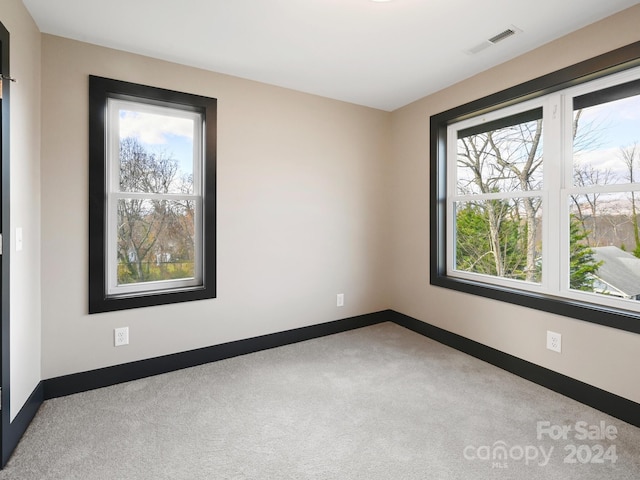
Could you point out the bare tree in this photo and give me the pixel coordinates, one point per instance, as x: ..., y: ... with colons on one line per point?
x: 523, y: 162
x: 142, y: 221
x: 588, y: 136
x: 475, y: 156
x: 505, y: 160
x: 587, y: 204
x: 630, y: 156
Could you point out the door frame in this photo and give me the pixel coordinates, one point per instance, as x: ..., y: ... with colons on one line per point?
x: 5, y: 413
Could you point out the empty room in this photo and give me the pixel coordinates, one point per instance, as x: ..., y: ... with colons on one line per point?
x: 320, y: 239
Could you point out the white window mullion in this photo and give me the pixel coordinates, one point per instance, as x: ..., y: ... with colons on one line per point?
x: 564, y: 198
x: 154, y: 196
x: 112, y: 246
x: 199, y: 239
x: 553, y: 175
x: 497, y: 196
x: 614, y: 188
x: 112, y: 174
x: 452, y: 180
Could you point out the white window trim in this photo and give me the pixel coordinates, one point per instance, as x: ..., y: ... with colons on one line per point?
x: 114, y: 194
x: 557, y: 187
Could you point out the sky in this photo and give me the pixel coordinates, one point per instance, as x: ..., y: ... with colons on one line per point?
x: 618, y: 125
x: 605, y: 128
x: 171, y: 135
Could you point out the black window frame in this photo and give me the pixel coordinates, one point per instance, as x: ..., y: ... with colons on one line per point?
x: 606, y: 64
x: 100, y: 91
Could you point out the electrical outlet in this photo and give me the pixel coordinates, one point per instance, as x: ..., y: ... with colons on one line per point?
x: 340, y: 300
x: 554, y: 341
x: 121, y: 336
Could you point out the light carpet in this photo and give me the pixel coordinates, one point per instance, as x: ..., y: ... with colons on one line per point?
x: 380, y: 402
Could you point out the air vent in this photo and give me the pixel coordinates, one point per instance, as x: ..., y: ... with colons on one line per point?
x: 509, y: 32
x: 502, y: 35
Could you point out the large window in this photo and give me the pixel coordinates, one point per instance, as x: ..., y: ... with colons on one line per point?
x: 536, y: 193
x: 152, y: 192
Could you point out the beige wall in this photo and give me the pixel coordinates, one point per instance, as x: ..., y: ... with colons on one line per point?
x: 600, y: 356
x: 25, y: 201
x: 301, y: 212
x: 315, y: 197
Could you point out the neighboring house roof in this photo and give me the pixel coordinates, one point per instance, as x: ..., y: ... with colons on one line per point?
x: 620, y: 269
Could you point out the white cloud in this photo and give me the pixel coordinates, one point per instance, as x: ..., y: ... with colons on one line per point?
x: 603, y: 160
x: 153, y: 129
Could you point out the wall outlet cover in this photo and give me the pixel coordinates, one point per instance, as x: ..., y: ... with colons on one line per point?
x: 554, y: 341
x: 121, y: 336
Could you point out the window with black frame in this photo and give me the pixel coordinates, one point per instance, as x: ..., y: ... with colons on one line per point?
x: 537, y: 201
x: 152, y: 192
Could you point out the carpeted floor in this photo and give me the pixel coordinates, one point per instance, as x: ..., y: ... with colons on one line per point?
x: 377, y: 403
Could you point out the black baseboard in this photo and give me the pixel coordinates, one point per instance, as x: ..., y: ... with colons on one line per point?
x: 606, y: 402
x: 104, y: 377
x: 12, y: 435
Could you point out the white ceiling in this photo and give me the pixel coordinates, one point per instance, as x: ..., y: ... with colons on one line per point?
x: 379, y: 54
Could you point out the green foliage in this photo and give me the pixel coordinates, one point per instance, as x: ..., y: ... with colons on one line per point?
x: 151, y: 272
x: 582, y: 265
x: 474, y: 251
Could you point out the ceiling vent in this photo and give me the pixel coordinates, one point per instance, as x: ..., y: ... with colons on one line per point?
x: 502, y: 35
x: 509, y: 32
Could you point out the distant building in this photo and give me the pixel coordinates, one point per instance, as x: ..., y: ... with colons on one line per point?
x: 619, y: 275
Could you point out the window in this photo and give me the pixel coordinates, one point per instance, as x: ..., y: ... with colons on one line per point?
x: 535, y: 193
x: 152, y: 196
x: 496, y: 200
